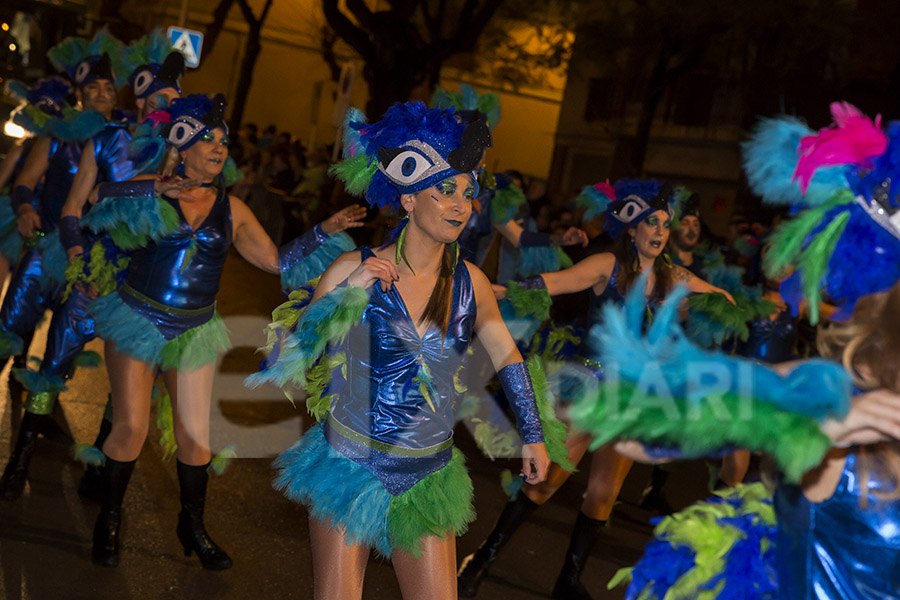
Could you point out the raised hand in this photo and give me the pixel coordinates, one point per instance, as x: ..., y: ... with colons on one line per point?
x: 346, y: 218
x: 374, y: 270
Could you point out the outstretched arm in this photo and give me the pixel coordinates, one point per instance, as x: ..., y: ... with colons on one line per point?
x: 251, y: 240
x: 513, y: 375
x: 593, y: 270
x: 697, y: 285
x: 518, y: 237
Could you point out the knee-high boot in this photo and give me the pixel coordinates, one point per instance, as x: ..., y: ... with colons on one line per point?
x: 584, y: 535
x: 116, y: 475
x: 475, y: 566
x: 91, y: 485
x: 12, y: 484
x: 191, y: 532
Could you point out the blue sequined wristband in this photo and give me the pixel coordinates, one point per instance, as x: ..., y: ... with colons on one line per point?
x: 129, y: 189
x: 21, y: 195
x: 516, y: 385
x: 300, y: 247
x: 535, y: 282
x: 534, y: 239
x: 70, y: 234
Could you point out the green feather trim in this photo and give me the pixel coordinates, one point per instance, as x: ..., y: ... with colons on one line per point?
x: 439, y: 505
x: 555, y: 433
x: 564, y: 261
x: 788, y: 240
x: 506, y: 203
x: 814, y: 262
x: 510, y: 483
x: 88, y: 359
x: 622, y: 411
x: 88, y: 454
x: 356, y: 173
x: 285, y: 316
x: 165, y: 421
x: 196, y: 347
x: 220, y: 461
x: 529, y: 303
x: 101, y: 274
x: 231, y: 174
x: 127, y: 239
x: 317, y: 380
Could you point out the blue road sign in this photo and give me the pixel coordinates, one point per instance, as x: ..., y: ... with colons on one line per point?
x: 189, y: 43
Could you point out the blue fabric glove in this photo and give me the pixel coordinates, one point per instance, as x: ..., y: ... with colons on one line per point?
x: 516, y: 385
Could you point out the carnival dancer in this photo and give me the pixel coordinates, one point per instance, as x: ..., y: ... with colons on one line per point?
x: 41, y: 113
x: 38, y: 278
x: 380, y: 470
x: 833, y: 534
x: 169, y: 294
x: 638, y: 216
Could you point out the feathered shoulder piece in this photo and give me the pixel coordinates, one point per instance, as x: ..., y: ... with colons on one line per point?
x: 659, y: 389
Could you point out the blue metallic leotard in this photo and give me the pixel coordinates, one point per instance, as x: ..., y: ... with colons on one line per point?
x: 385, y: 420
x: 174, y: 281
x: 838, y: 549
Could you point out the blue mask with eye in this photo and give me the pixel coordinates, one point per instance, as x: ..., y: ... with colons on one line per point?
x: 414, y: 148
x: 635, y: 201
x: 193, y: 117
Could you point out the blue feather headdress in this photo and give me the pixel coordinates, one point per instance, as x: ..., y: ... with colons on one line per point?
x: 686, y: 203
x: 467, y: 100
x: 845, y: 234
x: 152, y: 64
x: 46, y: 111
x: 634, y: 201
x: 411, y: 149
x: 87, y: 61
x: 192, y: 117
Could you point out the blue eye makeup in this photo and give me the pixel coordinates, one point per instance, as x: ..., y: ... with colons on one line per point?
x: 469, y: 194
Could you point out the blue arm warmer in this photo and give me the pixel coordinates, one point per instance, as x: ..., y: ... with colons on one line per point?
x: 132, y: 189
x: 535, y: 282
x: 531, y: 239
x: 516, y: 385
x: 70, y: 234
x: 21, y: 194
x: 300, y: 247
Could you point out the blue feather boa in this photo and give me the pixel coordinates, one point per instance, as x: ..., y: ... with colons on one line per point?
x: 53, y: 259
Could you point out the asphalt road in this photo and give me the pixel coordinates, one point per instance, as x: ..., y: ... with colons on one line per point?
x: 45, y: 536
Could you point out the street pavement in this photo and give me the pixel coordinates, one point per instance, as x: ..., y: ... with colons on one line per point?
x: 45, y: 536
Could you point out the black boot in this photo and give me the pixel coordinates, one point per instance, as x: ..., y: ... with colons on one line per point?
x: 654, y: 498
x: 191, y: 532
x: 12, y: 484
x: 116, y: 474
x: 568, y: 584
x: 91, y: 485
x: 474, y: 567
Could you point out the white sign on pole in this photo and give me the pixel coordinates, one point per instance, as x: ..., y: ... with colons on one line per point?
x: 189, y: 43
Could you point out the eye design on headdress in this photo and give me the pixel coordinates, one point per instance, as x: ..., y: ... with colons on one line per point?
x: 410, y: 164
x: 184, y: 129
x: 142, y: 81
x: 83, y: 70
x: 631, y: 208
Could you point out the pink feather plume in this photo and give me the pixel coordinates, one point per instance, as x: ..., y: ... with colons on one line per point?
x: 853, y: 139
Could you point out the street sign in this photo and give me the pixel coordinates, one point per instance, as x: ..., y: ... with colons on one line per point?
x: 189, y: 43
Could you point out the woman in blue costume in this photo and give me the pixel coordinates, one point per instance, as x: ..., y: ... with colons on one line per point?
x: 38, y: 278
x: 380, y: 471
x: 638, y: 216
x: 836, y: 521
x: 181, y: 226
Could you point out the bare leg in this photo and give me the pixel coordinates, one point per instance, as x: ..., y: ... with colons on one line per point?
x: 577, y: 444
x: 191, y: 394
x: 734, y: 467
x: 131, y: 382
x: 608, y: 472
x: 338, y: 569
x: 432, y: 576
